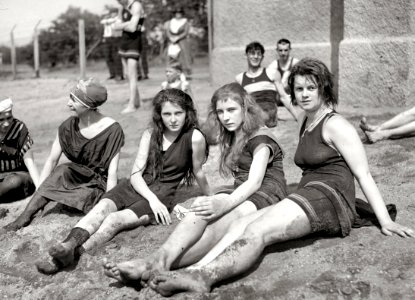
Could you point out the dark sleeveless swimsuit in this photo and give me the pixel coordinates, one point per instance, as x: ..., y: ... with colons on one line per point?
x: 263, y: 89
x: 326, y: 191
x: 177, y: 160
x: 273, y: 188
x: 130, y: 46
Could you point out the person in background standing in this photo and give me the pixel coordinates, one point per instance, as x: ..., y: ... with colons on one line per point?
x: 142, y: 66
x: 132, y: 16
x: 177, y: 31
x: 111, y: 40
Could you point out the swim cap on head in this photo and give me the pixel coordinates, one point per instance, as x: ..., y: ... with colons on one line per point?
x: 90, y: 93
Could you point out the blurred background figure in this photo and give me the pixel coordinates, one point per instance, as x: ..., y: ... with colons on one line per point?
x: 176, y: 79
x: 111, y: 40
x: 283, y: 64
x: 132, y: 16
x: 177, y: 31
x: 142, y: 65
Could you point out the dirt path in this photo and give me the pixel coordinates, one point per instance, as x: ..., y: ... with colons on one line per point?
x: 365, y: 265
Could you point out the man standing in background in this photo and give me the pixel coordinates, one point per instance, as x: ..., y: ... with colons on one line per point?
x: 111, y: 39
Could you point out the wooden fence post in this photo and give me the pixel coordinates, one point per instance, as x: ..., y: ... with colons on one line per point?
x: 13, y: 53
x: 82, y: 56
x: 36, y: 50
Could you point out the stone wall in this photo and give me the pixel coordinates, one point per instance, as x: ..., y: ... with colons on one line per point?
x: 377, y: 52
x: 236, y: 23
x: 368, y: 44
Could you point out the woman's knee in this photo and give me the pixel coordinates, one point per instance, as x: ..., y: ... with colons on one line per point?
x: 107, y: 205
x: 113, y: 222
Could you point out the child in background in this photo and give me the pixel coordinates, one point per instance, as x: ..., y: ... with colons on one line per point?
x: 176, y: 79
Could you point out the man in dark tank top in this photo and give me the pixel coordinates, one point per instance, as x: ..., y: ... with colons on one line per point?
x: 264, y: 84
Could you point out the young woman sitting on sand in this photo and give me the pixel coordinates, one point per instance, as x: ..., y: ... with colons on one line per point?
x: 172, y: 150
x: 19, y: 176
x: 92, y: 142
x: 251, y: 154
x: 331, y: 156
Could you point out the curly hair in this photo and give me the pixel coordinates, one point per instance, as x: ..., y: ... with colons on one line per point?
x: 231, y: 145
x: 183, y: 100
x: 317, y: 72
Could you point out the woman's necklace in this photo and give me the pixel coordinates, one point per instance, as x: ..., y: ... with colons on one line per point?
x: 317, y: 120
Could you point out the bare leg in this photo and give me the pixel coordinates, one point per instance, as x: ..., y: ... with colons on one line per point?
x: 124, y: 67
x: 114, y: 223
x: 188, y: 243
x: 395, y: 133
x: 183, y: 249
x: 397, y: 121
x: 365, y: 126
x: 281, y: 222
x: 235, y: 230
x: 35, y: 204
x: 134, y: 101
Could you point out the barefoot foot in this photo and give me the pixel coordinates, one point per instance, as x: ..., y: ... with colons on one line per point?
x: 128, y: 110
x: 367, y: 127
x: 375, y: 136
x: 111, y: 270
x: 169, y: 283
x: 133, y: 271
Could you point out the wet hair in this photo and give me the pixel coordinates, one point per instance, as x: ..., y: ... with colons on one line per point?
x: 316, y: 71
x: 284, y: 41
x: 231, y: 147
x: 183, y: 100
x: 254, y: 46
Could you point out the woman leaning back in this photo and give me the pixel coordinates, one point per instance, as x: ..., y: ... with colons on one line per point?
x: 252, y: 155
x: 171, y: 150
x: 331, y: 155
x: 92, y: 142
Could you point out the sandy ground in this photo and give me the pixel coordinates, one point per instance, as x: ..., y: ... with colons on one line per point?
x: 364, y: 265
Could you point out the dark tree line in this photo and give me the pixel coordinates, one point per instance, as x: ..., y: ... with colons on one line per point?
x: 58, y: 44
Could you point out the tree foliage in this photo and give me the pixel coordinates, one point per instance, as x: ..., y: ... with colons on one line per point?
x: 160, y: 11
x: 60, y: 43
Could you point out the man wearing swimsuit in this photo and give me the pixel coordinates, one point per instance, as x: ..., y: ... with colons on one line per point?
x: 264, y: 84
x: 284, y: 63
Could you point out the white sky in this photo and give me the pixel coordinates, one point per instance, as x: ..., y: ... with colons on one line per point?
x: 26, y: 13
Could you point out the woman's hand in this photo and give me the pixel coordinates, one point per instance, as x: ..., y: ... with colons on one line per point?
x: 160, y: 212
x: 209, y: 208
x: 392, y: 227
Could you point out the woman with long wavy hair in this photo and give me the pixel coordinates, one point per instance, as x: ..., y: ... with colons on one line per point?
x: 251, y: 154
x: 171, y: 150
